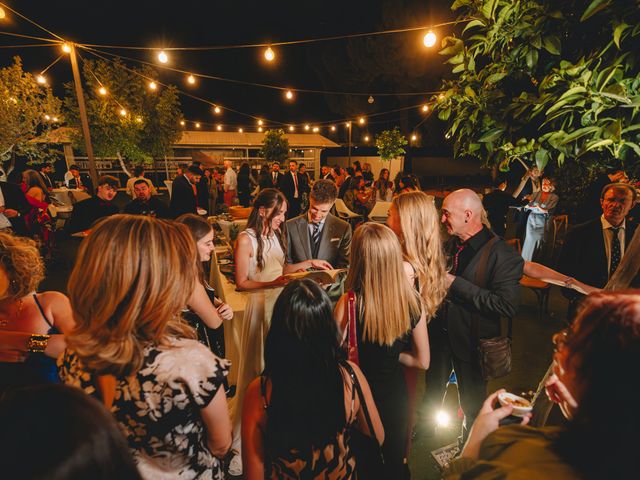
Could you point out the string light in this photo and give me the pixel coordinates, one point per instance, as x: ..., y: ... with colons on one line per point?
x: 102, y: 91
x: 182, y: 123
x: 289, y: 95
x: 47, y: 117
x: 429, y: 39
x: 191, y: 80
x: 306, y: 127
x: 123, y: 112
x: 217, y: 110
x: 162, y: 57
x: 269, y: 54
x: 260, y: 122
x: 259, y: 129
x: 441, y: 96
x: 66, y: 48
x: 3, y: 14
x: 316, y: 129
x: 361, y: 120
x: 414, y: 137
x: 348, y: 124
x: 138, y: 119
x: 240, y: 130
x: 291, y: 128
x: 41, y: 80
x: 425, y: 108
x: 333, y: 128
x: 197, y: 125
x: 366, y: 138
x: 219, y: 127
x: 153, y: 85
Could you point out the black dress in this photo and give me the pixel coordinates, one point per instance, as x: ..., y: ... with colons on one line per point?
x: 385, y: 375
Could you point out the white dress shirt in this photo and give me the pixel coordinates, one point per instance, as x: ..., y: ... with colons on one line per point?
x: 4, y: 221
x: 608, y: 237
x: 230, y: 180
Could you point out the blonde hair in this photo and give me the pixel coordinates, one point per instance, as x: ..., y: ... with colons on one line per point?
x: 22, y: 263
x: 422, y: 246
x: 387, y: 300
x: 132, y: 278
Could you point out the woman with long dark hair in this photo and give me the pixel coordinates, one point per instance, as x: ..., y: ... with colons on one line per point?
x: 383, y: 187
x: 260, y: 258
x: 298, y: 413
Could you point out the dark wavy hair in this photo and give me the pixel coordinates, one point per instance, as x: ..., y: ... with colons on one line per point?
x: 60, y: 433
x: 268, y: 198
x: 302, y: 353
x: 601, y: 440
x: 198, y: 227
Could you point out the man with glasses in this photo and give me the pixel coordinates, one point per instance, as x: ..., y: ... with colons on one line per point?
x: 86, y: 212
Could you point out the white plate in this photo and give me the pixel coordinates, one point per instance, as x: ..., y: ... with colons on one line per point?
x: 224, y: 261
x: 517, y: 411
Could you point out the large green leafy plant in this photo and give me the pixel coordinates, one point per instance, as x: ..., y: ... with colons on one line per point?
x: 541, y: 80
x: 275, y: 146
x: 390, y: 143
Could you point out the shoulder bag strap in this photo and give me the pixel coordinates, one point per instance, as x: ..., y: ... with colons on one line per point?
x: 352, y: 333
x: 363, y: 402
x: 481, y: 280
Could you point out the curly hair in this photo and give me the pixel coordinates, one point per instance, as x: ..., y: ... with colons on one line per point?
x: 22, y: 263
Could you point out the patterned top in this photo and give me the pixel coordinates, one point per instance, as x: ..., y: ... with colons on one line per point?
x: 158, y: 408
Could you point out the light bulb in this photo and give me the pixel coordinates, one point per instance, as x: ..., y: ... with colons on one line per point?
x: 191, y: 80
x: 240, y: 130
x: 41, y: 80
x: 291, y: 128
x: 429, y: 39
x: 333, y: 128
x: 366, y: 138
x: 153, y: 85
x: 3, y: 14
x: 269, y: 54
x: 197, y: 124
x: 316, y: 129
x: 162, y: 57
x: 102, y: 91
x: 66, y: 48
x: 260, y: 122
x: 289, y: 94
x: 182, y: 123
x: 219, y: 127
x: 259, y: 129
x: 442, y: 419
x: 55, y: 119
x: 139, y: 119
x: 425, y: 108
x: 361, y: 120
x: 306, y: 127
x: 123, y: 112
x: 217, y: 110
x: 47, y: 117
x: 414, y: 138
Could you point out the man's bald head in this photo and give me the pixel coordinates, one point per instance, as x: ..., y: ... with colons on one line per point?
x: 462, y: 213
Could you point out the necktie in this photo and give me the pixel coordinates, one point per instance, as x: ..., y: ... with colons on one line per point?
x: 616, y: 251
x: 274, y: 180
x: 295, y: 185
x: 315, y: 238
x: 456, y: 256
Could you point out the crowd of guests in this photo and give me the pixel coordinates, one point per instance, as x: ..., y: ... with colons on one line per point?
x: 327, y: 373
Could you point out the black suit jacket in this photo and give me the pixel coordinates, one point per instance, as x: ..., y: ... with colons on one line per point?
x: 500, y: 297
x: 183, y: 199
x: 344, y: 187
x: 287, y: 186
x: 275, y: 183
x: 14, y: 199
x: 154, y: 208
x: 584, y: 257
x: 87, y: 212
x: 86, y: 182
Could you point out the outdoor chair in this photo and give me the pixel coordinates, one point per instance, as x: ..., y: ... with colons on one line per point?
x: 344, y: 212
x: 380, y: 212
x: 540, y: 288
x: 560, y: 227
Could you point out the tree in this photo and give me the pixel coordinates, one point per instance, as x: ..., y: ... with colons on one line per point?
x: 540, y: 80
x: 275, y: 147
x: 390, y: 143
x: 27, y: 110
x: 150, y: 124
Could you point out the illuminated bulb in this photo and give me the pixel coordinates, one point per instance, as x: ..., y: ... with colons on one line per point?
x: 219, y: 127
x: 289, y: 94
x: 66, y: 48
x: 182, y: 123
x: 442, y: 419
x: 348, y: 124
x: 162, y: 57
x: 447, y: 136
x: 197, y: 124
x: 361, y: 120
x: 47, y: 117
x: 259, y: 129
x: 414, y: 138
x: 316, y: 129
x: 291, y: 128
x: 306, y: 127
x: 441, y: 96
x: 260, y: 122
x: 41, y: 80
x: 123, y: 112
x: 153, y: 85
x: 55, y: 119
x: 240, y: 130
x: 429, y: 39
x: 2, y: 13
x: 425, y: 108
x: 366, y: 138
x: 191, y: 80
x: 102, y: 91
x: 269, y: 54
x: 139, y: 119
x: 217, y: 109
x: 333, y: 128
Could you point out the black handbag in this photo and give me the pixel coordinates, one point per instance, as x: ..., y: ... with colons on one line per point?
x: 366, y: 449
x: 493, y: 354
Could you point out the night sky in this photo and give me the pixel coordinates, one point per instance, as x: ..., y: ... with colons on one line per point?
x: 391, y: 63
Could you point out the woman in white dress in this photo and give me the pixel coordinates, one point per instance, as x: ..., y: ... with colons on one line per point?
x: 259, y: 261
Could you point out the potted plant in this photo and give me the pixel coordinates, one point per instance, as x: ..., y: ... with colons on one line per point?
x: 390, y: 143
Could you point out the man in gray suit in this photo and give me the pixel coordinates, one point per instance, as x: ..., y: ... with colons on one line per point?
x: 318, y: 239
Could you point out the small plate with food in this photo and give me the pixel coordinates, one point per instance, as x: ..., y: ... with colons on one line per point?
x: 521, y: 406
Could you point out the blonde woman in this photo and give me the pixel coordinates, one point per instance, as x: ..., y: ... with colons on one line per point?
x: 131, y: 349
x: 377, y: 279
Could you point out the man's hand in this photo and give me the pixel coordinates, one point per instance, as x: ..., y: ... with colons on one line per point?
x: 320, y: 265
x: 449, y: 279
x: 10, y: 213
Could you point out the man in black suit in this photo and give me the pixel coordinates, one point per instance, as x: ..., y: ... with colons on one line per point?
x: 319, y: 239
x: 45, y: 172
x: 345, y: 184
x: 593, y: 250
x: 276, y: 175
x: 87, y: 212
x: 497, y: 296
x: 74, y: 179
x: 145, y: 203
x: 591, y: 207
x: 183, y: 193
x: 291, y: 185
x: 13, y: 207
x: 326, y: 173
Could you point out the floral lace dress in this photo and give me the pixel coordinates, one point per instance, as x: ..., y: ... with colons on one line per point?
x: 158, y: 408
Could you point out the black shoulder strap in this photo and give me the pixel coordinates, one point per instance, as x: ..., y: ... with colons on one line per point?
x: 363, y: 402
x: 35, y: 298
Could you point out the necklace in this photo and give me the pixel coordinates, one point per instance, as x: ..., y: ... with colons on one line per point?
x: 4, y: 321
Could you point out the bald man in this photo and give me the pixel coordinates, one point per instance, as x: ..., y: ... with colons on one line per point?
x: 487, y: 297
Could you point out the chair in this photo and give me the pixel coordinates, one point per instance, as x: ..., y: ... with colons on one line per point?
x: 169, y: 184
x: 380, y: 212
x: 540, y: 288
x: 560, y: 227
x: 344, y: 212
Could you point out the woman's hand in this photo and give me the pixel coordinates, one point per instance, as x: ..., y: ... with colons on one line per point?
x: 487, y: 421
x: 560, y: 394
x: 225, y: 311
x: 281, y: 281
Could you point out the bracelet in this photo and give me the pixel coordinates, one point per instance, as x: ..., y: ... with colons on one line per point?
x: 37, y: 343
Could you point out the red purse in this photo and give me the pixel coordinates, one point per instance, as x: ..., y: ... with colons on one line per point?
x: 352, y: 333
